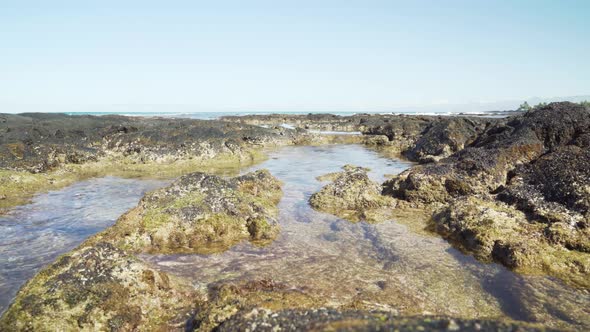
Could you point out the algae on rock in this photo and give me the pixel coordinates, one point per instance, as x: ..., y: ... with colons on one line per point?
x: 100, y: 287
x: 517, y: 194
x: 201, y: 213
x: 352, y: 196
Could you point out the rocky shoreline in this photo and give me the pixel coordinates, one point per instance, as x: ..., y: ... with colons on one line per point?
x: 47, y: 151
x: 511, y: 190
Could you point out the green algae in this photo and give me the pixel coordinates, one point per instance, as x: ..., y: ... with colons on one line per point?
x: 494, y: 231
x: 98, y: 287
x: 18, y: 187
x: 188, y: 218
x: 352, y: 196
x: 227, y: 299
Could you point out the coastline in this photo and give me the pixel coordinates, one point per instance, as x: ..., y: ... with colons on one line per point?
x: 472, y: 182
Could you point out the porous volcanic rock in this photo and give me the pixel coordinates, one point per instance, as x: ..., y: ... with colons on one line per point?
x: 48, y: 151
x: 518, y: 194
x: 355, y: 320
x: 444, y: 137
x: 37, y: 142
x: 202, y: 213
x: 100, y: 287
x: 353, y: 196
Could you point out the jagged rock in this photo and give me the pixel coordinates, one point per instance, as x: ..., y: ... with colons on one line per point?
x: 555, y: 187
x: 356, y: 320
x: 100, y: 287
x: 495, y: 231
x: 444, y: 137
x: 200, y: 212
x: 538, y: 164
x: 353, y: 196
x: 38, y: 142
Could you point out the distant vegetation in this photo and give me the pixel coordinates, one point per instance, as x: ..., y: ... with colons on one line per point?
x: 526, y: 107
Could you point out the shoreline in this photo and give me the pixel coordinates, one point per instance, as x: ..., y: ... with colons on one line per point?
x: 471, y: 182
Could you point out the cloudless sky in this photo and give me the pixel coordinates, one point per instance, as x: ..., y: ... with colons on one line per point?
x: 290, y: 55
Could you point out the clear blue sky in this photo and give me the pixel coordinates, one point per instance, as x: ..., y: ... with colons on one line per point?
x: 290, y: 55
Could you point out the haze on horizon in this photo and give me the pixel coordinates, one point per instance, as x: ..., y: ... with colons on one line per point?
x: 289, y: 55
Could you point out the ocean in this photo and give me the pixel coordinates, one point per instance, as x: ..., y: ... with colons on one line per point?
x: 217, y: 115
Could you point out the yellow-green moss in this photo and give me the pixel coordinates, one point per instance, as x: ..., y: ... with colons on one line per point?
x: 99, y: 288
x: 495, y: 231
x: 17, y: 187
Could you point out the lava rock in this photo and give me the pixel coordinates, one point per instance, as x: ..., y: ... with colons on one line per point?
x: 353, y: 196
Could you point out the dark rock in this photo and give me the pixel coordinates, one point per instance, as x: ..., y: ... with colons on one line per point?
x: 537, y: 163
x: 355, y: 320
x: 38, y: 142
x: 444, y: 137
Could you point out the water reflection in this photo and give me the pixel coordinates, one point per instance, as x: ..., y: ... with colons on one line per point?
x: 383, y: 266
x: 33, y: 235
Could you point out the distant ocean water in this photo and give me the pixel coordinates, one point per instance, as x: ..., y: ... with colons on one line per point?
x: 217, y: 115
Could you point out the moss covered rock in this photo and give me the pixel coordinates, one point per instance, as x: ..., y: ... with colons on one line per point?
x: 100, y: 287
x: 201, y: 213
x: 494, y: 231
x: 518, y: 193
x: 225, y: 300
x: 352, y: 196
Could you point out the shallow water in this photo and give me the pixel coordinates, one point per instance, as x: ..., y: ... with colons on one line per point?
x: 382, y: 266
x: 33, y: 235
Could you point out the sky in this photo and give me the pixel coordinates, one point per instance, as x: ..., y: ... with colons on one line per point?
x: 288, y: 55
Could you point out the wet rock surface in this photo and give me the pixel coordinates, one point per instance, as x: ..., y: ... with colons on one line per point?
x: 48, y: 151
x: 496, y: 188
x: 420, y: 138
x: 354, y: 320
x: 353, y: 196
x: 37, y: 142
x: 100, y: 287
x: 517, y: 194
x: 202, y: 213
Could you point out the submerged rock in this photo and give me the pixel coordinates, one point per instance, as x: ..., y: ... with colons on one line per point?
x: 353, y: 196
x: 355, y: 320
x: 225, y: 300
x: 202, y: 213
x: 100, y: 287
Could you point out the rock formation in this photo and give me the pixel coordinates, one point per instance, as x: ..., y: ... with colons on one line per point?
x: 353, y: 196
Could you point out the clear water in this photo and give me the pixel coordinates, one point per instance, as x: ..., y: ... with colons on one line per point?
x: 384, y: 266
x: 189, y: 113
x: 33, y: 235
